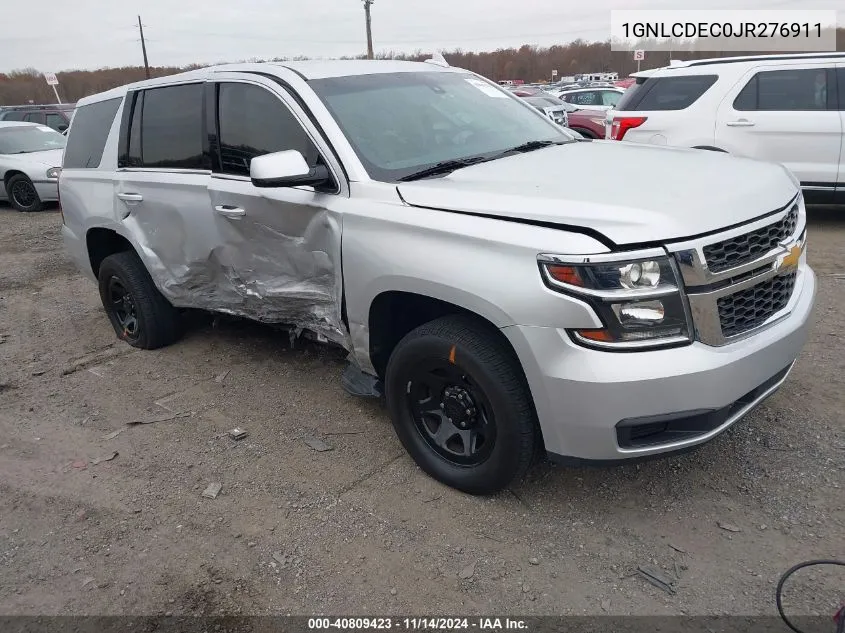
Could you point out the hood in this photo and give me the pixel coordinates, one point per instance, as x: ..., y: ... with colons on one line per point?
x: 48, y: 158
x: 629, y: 193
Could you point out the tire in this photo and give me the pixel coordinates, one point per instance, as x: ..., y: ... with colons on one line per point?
x: 479, y: 361
x: 156, y: 322
x: 22, y: 194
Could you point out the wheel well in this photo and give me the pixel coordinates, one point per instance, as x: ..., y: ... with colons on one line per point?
x: 584, y: 131
x: 9, y: 174
x: 102, y: 243
x: 393, y: 314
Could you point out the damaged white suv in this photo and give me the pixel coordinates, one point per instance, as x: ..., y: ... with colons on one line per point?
x: 471, y: 255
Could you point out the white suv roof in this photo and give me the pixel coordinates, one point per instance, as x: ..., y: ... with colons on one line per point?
x: 785, y: 108
x: 705, y: 66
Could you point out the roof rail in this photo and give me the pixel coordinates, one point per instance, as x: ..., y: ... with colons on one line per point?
x: 757, y: 58
x: 32, y: 106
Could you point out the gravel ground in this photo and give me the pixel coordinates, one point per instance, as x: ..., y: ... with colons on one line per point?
x: 359, y: 529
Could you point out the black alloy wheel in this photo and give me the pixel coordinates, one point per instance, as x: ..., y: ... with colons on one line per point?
x: 461, y: 406
x: 138, y: 312
x: 451, y: 413
x: 123, y: 307
x: 22, y: 194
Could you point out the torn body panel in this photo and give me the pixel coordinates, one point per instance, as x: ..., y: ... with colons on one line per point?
x: 277, y: 262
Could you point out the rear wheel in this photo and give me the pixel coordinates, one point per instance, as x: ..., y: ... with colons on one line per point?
x: 460, y: 405
x: 22, y: 194
x: 139, y: 313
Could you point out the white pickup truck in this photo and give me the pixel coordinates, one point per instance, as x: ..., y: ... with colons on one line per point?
x: 469, y: 253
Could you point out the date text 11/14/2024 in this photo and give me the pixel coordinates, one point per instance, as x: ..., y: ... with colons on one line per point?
x: 418, y: 624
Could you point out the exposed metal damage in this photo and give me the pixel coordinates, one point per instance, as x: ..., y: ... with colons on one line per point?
x: 253, y: 270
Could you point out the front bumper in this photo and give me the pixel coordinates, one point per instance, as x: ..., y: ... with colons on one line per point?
x: 48, y: 190
x: 582, y: 395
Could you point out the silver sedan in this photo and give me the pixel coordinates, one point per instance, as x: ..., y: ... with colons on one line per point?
x: 30, y: 163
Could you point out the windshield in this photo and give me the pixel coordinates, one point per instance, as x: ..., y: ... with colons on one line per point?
x: 29, y: 138
x: 401, y: 123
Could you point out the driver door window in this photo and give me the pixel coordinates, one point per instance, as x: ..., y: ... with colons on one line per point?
x: 252, y: 122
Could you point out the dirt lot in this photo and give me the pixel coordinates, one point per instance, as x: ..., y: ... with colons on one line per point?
x: 359, y: 529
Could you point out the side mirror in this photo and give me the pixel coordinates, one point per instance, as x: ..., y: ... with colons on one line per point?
x: 286, y: 169
x: 62, y: 127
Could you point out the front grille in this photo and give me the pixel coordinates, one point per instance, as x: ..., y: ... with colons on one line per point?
x: 559, y: 117
x: 745, y: 248
x: 749, y: 308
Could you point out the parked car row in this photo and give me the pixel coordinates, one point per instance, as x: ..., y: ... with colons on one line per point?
x: 788, y: 109
x: 588, y: 122
x: 56, y: 116
x: 30, y: 163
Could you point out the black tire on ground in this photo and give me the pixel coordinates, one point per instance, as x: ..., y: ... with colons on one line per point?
x: 483, y: 359
x: 22, y: 194
x: 156, y: 322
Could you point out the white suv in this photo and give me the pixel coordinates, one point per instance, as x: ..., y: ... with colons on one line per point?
x: 784, y: 108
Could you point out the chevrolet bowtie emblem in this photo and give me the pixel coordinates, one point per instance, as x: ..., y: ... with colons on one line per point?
x: 791, y: 259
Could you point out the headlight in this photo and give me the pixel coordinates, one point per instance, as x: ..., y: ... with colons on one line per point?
x: 54, y: 172
x: 638, y: 299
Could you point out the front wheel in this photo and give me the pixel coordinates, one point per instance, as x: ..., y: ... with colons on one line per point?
x: 461, y: 406
x: 22, y: 194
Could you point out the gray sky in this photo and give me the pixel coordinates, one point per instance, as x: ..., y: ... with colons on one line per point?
x: 70, y: 34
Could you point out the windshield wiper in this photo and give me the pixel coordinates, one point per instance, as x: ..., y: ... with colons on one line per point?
x: 530, y: 146
x: 446, y: 167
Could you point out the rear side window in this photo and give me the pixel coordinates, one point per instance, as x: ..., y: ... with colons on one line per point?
x: 87, y: 139
x: 166, y: 128
x: 665, y: 93
x: 253, y: 121
x: 56, y: 121
x: 35, y: 117
x: 789, y: 91
x: 589, y: 98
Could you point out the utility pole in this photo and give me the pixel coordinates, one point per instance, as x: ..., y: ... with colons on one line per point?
x: 144, y: 47
x: 367, y: 4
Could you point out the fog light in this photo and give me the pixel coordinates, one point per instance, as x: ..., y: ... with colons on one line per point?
x: 640, y: 275
x: 640, y: 313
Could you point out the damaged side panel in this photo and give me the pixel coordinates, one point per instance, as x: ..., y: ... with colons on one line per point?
x: 272, y: 255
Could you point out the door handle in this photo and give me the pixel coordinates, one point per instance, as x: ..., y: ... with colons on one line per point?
x: 229, y: 211
x: 740, y: 123
x: 130, y: 197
